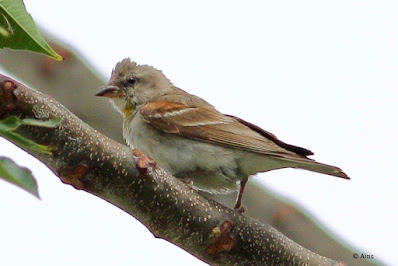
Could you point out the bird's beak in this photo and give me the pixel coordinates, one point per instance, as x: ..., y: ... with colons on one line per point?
x: 109, y: 91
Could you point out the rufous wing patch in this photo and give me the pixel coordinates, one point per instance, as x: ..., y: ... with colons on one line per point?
x: 153, y: 112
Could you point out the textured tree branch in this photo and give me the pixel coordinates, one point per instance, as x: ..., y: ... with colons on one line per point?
x: 87, y: 160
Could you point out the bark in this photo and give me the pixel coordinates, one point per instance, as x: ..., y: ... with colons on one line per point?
x: 89, y: 161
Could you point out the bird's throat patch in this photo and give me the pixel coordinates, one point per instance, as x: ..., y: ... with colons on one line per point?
x: 128, y: 110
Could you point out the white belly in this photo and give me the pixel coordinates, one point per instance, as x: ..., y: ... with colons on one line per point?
x: 217, y: 165
x: 212, y: 168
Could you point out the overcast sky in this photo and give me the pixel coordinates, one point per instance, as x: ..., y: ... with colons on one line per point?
x: 319, y: 75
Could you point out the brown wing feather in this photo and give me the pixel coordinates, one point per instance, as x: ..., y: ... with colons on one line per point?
x: 207, y: 124
x: 270, y: 136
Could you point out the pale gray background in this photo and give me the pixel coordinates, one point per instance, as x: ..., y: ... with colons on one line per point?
x: 320, y: 75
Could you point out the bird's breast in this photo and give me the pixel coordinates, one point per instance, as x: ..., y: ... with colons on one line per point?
x: 175, y: 153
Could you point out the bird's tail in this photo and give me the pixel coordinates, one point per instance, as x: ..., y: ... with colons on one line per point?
x: 314, y: 166
x: 256, y: 163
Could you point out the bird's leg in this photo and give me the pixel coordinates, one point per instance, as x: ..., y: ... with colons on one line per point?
x: 188, y: 182
x: 238, y: 205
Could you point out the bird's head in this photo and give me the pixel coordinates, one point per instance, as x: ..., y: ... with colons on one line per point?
x: 132, y: 85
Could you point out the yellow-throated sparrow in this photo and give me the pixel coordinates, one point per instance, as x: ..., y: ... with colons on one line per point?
x: 189, y: 138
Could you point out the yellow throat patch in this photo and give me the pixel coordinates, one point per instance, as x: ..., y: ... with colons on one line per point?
x: 128, y: 110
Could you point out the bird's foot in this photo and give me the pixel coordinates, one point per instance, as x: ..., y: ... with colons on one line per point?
x: 188, y: 182
x: 240, y: 209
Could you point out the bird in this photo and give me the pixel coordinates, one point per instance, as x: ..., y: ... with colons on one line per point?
x: 190, y: 139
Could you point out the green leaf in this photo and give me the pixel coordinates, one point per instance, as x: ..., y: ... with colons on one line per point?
x: 53, y: 122
x: 10, y: 124
x: 13, y: 122
x: 17, y: 175
x: 18, y: 30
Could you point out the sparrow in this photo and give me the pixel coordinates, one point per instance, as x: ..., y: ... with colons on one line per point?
x: 193, y: 141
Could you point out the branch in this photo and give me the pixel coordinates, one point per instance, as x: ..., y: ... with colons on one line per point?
x: 89, y: 161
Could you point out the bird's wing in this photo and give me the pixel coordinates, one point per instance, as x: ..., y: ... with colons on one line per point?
x: 270, y: 136
x: 207, y: 124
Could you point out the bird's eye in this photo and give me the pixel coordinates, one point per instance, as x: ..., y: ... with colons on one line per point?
x: 131, y: 80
